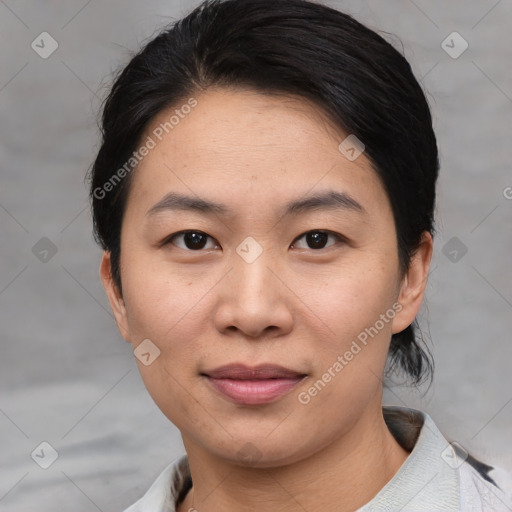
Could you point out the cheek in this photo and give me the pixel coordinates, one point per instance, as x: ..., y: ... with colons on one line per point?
x: 167, y: 309
x: 159, y: 300
x: 350, y: 361
x: 173, y: 309
x: 353, y: 297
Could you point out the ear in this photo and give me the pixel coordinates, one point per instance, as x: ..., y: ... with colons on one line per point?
x: 414, y: 283
x: 114, y: 295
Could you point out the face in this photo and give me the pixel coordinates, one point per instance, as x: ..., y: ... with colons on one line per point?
x: 262, y: 265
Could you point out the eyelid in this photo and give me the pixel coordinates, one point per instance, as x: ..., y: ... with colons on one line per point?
x: 340, y: 238
x: 168, y: 239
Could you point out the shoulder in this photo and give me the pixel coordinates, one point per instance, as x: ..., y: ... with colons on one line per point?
x: 438, y: 475
x: 166, y: 490
x: 484, y: 488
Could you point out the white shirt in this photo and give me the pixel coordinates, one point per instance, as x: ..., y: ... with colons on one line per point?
x: 436, y: 476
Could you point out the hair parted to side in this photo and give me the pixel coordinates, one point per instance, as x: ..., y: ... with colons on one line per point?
x: 296, y: 48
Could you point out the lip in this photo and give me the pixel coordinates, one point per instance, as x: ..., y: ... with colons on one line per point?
x: 254, y: 385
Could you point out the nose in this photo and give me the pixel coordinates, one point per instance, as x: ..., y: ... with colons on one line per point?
x: 254, y: 301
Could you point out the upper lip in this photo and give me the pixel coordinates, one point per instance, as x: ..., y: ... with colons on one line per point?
x: 260, y: 372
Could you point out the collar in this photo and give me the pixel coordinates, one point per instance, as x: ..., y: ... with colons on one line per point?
x: 431, y: 478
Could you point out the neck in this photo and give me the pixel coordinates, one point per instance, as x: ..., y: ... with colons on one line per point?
x: 343, y: 476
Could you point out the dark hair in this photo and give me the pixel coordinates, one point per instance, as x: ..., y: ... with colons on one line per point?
x: 290, y: 47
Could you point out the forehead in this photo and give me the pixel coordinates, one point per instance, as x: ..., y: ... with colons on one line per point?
x: 242, y: 146
x: 230, y: 121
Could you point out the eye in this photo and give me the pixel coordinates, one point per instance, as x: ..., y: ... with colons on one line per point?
x: 317, y: 239
x: 191, y: 240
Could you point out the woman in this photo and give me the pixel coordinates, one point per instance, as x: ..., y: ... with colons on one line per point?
x: 264, y: 196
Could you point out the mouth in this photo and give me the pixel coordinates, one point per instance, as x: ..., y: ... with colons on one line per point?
x: 257, y: 385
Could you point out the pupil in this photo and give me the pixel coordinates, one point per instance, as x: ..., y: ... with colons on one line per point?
x: 317, y: 239
x: 194, y: 240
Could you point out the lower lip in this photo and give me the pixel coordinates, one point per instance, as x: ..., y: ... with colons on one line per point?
x: 254, y: 392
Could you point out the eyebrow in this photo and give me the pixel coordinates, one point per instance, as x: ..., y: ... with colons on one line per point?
x: 329, y: 200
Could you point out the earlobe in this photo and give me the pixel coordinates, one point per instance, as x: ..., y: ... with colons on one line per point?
x: 114, y: 295
x: 414, y: 283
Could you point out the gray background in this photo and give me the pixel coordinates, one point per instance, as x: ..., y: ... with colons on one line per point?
x: 66, y: 375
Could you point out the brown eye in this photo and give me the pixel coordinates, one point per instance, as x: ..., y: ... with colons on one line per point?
x: 191, y: 240
x: 317, y: 239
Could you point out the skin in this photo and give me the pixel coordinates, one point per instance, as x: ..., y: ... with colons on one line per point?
x: 296, y: 306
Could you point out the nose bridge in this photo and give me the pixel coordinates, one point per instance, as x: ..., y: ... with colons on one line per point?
x: 252, y: 270
x: 253, y: 301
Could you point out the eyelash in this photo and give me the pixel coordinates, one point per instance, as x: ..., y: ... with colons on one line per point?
x: 170, y: 238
